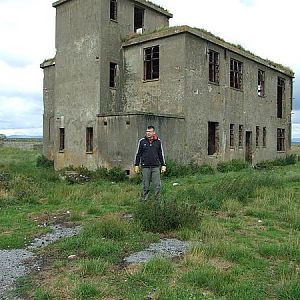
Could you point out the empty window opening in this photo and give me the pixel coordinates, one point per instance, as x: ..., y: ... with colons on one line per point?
x: 127, y: 172
x: 113, y: 10
x: 213, y: 138
x: 280, y: 96
x: 264, y: 137
x: 236, y: 74
x: 127, y: 122
x: 213, y: 73
x: 138, y: 19
x: 280, y: 139
x: 89, y: 139
x: 257, y: 136
x: 241, y: 136
x: 105, y: 123
x: 261, y: 83
x: 61, y: 139
x: 112, y: 75
x: 151, y: 63
x: 231, y: 140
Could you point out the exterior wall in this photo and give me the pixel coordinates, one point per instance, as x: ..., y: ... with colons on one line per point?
x: 164, y: 95
x: 220, y: 103
x: 77, y: 89
x: 112, y: 35
x: 118, y: 139
x: 86, y: 42
x: 179, y: 104
x: 48, y: 116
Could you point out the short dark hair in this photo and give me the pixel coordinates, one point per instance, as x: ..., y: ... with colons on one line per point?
x: 151, y: 127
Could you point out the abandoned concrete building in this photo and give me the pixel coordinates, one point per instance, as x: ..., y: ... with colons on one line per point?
x: 119, y: 67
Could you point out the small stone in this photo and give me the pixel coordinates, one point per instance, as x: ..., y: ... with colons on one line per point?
x: 175, y: 183
x: 260, y: 221
x: 72, y: 256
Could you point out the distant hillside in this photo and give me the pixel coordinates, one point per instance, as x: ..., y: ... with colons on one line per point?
x: 296, y: 141
x: 24, y: 137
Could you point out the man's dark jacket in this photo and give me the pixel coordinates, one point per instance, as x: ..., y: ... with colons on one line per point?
x: 149, y: 154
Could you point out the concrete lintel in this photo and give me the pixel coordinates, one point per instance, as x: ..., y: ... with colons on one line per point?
x: 59, y: 2
x: 140, y: 113
x: 47, y: 63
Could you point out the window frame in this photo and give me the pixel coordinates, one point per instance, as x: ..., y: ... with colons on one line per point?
x: 236, y: 74
x: 257, y: 136
x: 231, y: 136
x: 89, y: 140
x: 114, y: 10
x: 62, y: 137
x: 113, y: 75
x: 241, y: 136
x: 151, y: 62
x: 264, y: 137
x: 280, y: 96
x: 261, y: 83
x: 280, y: 139
x: 213, y: 66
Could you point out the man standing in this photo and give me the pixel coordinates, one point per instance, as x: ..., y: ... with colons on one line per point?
x: 150, y: 156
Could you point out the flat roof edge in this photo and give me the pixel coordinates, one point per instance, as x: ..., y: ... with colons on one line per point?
x: 47, y: 63
x: 59, y: 2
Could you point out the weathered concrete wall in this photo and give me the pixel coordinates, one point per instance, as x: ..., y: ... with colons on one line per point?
x: 118, y: 137
x: 112, y: 35
x: 86, y: 42
x: 162, y: 96
x: 220, y: 103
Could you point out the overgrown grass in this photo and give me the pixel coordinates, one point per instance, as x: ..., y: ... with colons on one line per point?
x: 243, y: 225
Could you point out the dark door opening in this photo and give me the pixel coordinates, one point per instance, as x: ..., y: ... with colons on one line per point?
x: 248, y: 153
x: 138, y: 20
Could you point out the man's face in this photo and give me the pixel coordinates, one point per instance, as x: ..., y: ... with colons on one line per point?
x: 149, y: 133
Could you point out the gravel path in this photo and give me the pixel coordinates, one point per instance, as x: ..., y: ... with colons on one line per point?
x: 165, y: 248
x: 18, y: 262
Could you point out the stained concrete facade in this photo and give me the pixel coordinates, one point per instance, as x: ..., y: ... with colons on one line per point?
x: 180, y: 103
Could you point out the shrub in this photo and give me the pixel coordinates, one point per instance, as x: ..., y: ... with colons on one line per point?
x: 117, y: 174
x: 232, y: 166
x: 165, y: 216
x: 44, y: 162
x: 290, y: 159
x: 76, y: 174
x: 100, y: 173
x: 174, y: 169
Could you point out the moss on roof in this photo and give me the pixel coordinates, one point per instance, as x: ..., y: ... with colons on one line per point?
x: 204, y: 34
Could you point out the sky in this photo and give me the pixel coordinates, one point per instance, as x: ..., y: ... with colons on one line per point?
x: 267, y: 28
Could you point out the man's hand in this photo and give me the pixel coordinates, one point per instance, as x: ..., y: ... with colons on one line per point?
x: 163, y: 169
x: 136, y: 170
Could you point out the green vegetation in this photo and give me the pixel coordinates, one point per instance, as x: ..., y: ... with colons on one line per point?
x: 243, y: 224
